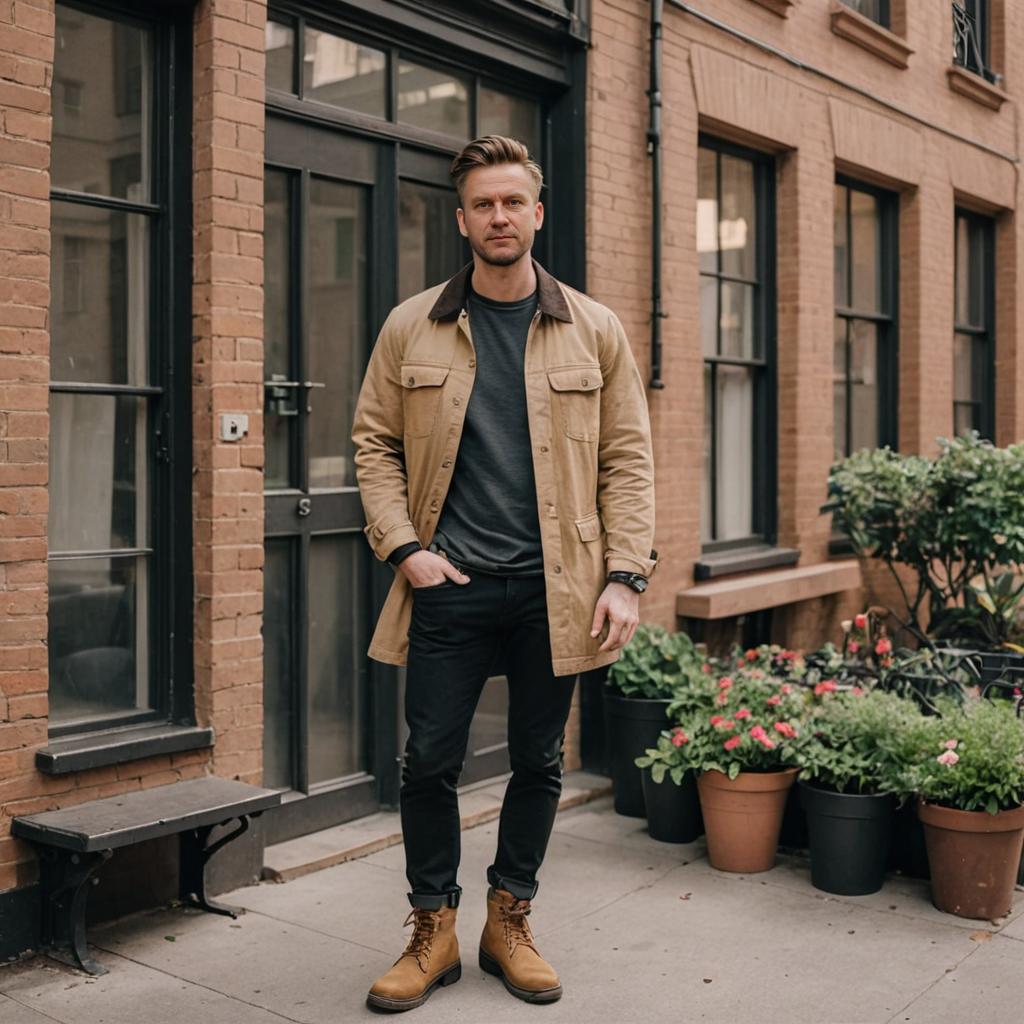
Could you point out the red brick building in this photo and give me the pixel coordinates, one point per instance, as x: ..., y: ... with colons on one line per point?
x: 207, y: 211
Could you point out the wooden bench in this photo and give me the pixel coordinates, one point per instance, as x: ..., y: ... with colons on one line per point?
x: 72, y: 843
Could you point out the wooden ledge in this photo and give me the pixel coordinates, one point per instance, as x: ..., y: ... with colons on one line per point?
x: 720, y: 599
x: 974, y: 87
x: 857, y: 28
x: 779, y: 7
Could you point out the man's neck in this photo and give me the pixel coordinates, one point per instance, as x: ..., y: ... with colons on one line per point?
x: 504, y: 284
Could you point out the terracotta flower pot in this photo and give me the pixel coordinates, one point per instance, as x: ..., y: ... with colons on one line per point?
x: 974, y: 857
x: 742, y: 817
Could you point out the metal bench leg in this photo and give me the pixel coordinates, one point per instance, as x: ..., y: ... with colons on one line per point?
x: 194, y: 854
x: 66, y: 879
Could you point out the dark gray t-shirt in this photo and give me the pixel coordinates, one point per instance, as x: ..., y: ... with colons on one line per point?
x: 489, y: 520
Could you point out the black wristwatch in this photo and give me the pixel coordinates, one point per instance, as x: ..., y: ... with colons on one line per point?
x: 632, y: 579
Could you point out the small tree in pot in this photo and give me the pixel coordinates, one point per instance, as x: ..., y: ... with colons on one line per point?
x: 852, y: 755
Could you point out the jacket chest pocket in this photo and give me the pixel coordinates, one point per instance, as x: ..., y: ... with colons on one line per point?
x: 576, y: 397
x: 421, y: 396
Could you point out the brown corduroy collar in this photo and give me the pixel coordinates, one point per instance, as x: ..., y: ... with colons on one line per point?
x: 452, y: 299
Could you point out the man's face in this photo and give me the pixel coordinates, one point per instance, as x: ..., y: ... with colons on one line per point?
x: 499, y: 214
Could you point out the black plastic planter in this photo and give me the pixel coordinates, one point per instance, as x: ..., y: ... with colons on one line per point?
x: 632, y: 725
x: 909, y: 855
x: 849, y: 836
x: 673, y: 812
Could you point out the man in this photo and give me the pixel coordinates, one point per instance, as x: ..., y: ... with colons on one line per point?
x: 504, y: 459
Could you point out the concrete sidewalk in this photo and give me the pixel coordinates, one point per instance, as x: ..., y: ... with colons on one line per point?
x: 639, y: 931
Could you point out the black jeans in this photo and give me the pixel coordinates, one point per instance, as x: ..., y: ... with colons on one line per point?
x: 461, y: 634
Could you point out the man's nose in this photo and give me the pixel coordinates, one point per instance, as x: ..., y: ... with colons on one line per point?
x: 499, y: 216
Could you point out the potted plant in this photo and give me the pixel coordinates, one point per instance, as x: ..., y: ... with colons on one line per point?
x: 969, y: 777
x: 957, y: 523
x: 740, y: 745
x: 673, y: 808
x: 851, y: 755
x: 640, y: 686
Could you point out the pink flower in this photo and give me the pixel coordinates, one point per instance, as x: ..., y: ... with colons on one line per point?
x: 788, y: 655
x: 742, y: 713
x: 732, y: 742
x: 715, y: 719
x: 884, y: 646
x: 727, y: 724
x: 860, y: 621
x: 853, y: 647
x: 950, y: 758
x: 766, y: 742
x: 828, y: 686
x: 786, y: 689
x: 857, y: 691
x: 679, y: 738
x: 785, y: 729
x: 751, y: 655
x: 773, y: 700
x: 722, y: 698
x: 705, y: 667
x: 758, y: 732
x: 950, y: 744
x: 724, y: 683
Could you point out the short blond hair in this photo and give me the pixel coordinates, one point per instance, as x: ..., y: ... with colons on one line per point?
x: 490, y: 150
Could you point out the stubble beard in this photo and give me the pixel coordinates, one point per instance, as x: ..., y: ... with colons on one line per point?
x: 502, y: 260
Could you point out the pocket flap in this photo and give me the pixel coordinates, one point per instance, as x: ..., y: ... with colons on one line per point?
x: 420, y: 375
x: 589, y: 527
x: 575, y: 378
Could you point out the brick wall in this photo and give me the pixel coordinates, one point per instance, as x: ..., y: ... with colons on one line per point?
x: 953, y: 150
x: 227, y: 376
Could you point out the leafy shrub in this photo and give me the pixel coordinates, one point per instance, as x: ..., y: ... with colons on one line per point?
x: 654, y: 664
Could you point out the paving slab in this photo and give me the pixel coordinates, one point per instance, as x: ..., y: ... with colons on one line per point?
x: 987, y: 986
x: 130, y: 994
x: 297, y: 972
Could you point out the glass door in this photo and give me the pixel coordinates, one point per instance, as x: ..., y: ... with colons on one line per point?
x: 321, y: 197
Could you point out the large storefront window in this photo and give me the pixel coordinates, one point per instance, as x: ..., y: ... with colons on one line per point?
x: 864, y: 348
x: 974, y: 313
x: 734, y: 240
x: 111, y: 506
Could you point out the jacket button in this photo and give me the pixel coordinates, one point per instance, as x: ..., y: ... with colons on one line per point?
x: 558, y: 569
x: 456, y: 401
x: 544, y: 448
x: 433, y: 506
x: 412, y: 380
x: 586, y: 381
x: 446, y: 463
x: 472, y: 363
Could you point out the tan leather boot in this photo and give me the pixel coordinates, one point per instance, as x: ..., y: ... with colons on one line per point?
x: 430, y: 959
x: 507, y: 950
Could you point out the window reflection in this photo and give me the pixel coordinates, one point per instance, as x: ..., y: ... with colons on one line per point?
x: 436, y: 100
x: 344, y: 74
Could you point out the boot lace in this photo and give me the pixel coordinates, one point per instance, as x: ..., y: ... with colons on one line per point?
x: 517, y: 928
x: 425, y: 924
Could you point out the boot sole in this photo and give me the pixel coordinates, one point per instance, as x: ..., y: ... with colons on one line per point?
x: 449, y: 977
x: 544, y: 995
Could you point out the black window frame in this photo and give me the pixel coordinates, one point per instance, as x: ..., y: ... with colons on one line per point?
x: 764, y: 448
x: 884, y: 12
x: 972, y: 30
x: 167, y: 389
x: 887, y: 322
x: 982, y: 231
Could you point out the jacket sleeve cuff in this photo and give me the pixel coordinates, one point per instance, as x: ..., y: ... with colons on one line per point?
x: 385, y: 539
x: 404, y: 551
x: 617, y: 561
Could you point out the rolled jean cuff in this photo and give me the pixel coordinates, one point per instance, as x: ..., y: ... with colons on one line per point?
x: 432, y: 901
x: 521, y: 890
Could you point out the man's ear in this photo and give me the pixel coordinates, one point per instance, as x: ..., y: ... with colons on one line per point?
x: 461, y: 218
x: 538, y: 218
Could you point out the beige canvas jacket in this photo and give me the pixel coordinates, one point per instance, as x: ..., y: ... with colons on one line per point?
x: 591, y: 442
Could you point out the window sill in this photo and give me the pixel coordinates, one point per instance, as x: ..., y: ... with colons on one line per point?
x: 974, y: 87
x: 779, y: 7
x: 739, y: 595
x: 116, y: 746
x: 868, y: 34
x: 738, y: 560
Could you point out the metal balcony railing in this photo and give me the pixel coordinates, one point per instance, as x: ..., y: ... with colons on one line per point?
x: 968, y: 51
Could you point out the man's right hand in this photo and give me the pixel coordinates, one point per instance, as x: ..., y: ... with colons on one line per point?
x: 425, y: 569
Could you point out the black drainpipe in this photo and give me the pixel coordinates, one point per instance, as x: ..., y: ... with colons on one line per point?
x: 654, y: 152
